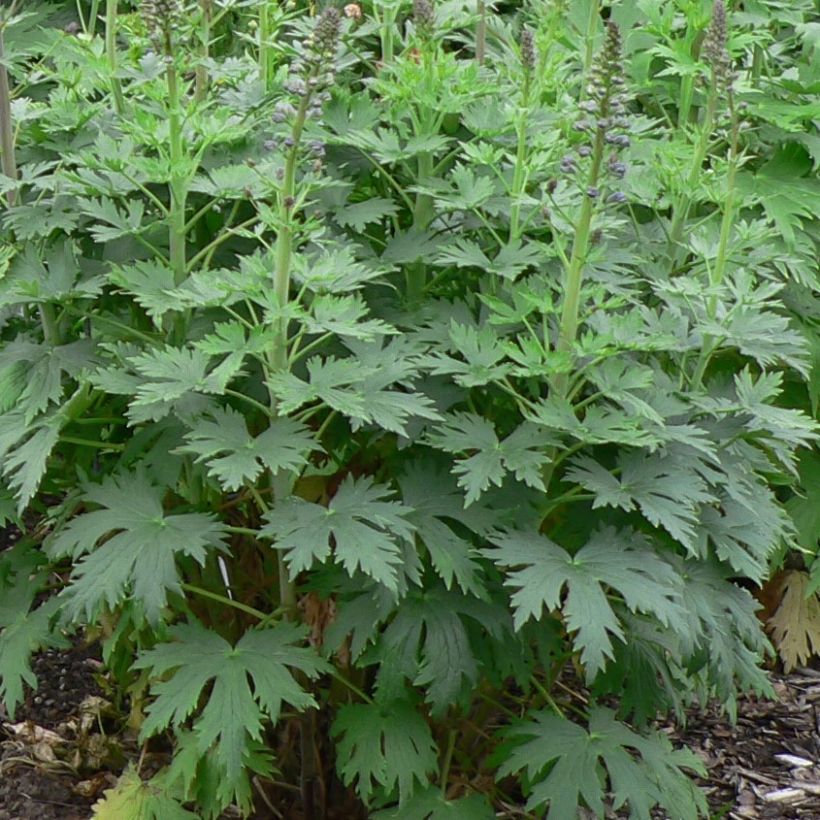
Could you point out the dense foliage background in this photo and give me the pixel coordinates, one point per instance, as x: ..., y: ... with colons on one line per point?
x: 411, y: 397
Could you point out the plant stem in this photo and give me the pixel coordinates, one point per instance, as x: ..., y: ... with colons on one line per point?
x: 589, y: 39
x: 92, y: 17
x: 684, y: 201
x: 222, y: 599
x: 178, y: 182
x: 111, y: 54
x: 520, y: 170
x: 265, y: 52
x: 201, y: 88
x: 719, y: 268
x: 6, y: 126
x: 574, y: 277
x: 448, y: 759
x: 481, y: 32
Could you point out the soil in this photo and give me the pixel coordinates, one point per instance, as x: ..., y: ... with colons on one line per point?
x: 60, y: 754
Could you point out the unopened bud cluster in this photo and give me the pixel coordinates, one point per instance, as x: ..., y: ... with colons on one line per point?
x: 715, y: 51
x: 527, y: 44
x: 424, y: 17
x: 161, y: 19
x: 603, y: 117
x: 309, y: 80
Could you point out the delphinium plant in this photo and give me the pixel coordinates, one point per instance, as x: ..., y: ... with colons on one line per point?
x: 404, y: 429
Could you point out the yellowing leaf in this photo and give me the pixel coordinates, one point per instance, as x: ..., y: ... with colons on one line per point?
x: 133, y: 799
x: 795, y: 625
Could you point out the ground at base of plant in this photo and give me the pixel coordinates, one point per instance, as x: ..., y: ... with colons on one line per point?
x: 767, y: 767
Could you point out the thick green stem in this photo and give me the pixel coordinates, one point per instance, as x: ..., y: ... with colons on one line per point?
x: 571, y: 306
x: 6, y: 125
x: 92, y: 17
x: 719, y: 268
x: 206, y: 11
x: 49, y: 324
x: 589, y: 39
x: 481, y: 33
x: 266, y: 67
x: 179, y: 183
x: 111, y: 54
x: 416, y: 274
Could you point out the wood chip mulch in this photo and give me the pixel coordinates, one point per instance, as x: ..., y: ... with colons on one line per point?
x: 768, y: 765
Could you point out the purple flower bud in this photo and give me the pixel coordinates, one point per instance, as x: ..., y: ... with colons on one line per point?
x: 593, y: 193
x: 568, y: 163
x: 617, y: 169
x: 581, y: 125
x: 590, y: 106
x: 584, y: 151
x: 288, y: 142
x: 616, y: 198
x: 270, y: 145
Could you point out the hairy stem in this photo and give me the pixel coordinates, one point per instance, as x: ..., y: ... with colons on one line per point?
x: 178, y: 184
x: 589, y: 39
x: 481, y: 32
x: 206, y: 16
x: 718, y: 270
x: 266, y: 67
x: 571, y: 306
x: 111, y: 54
x: 6, y: 126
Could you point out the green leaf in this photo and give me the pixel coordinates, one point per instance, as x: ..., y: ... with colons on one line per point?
x: 233, y: 456
x: 386, y: 745
x: 24, y: 631
x: 523, y: 453
x: 361, y: 214
x: 667, y: 496
x: 366, y: 528
x: 437, y: 510
x: 130, y: 545
x: 247, y: 683
x: 135, y: 799
x: 565, y: 763
x: 611, y: 560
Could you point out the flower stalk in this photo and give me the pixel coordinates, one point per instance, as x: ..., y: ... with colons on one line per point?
x: 519, y: 182
x: 111, y: 55
x: 9, y: 161
x: 714, y: 48
x: 606, y: 105
x: 206, y: 11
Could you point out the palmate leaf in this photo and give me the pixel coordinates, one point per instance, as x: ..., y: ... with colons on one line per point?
x: 523, y: 453
x: 366, y: 527
x: 234, y: 456
x: 383, y: 744
x: 135, y: 799
x: 22, y: 632
x: 482, y: 352
x: 666, y: 495
x: 428, y: 644
x: 249, y: 682
x: 130, y: 544
x: 610, y: 560
x: 437, y: 507
x: 564, y: 762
